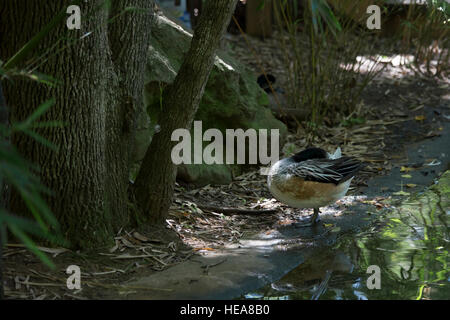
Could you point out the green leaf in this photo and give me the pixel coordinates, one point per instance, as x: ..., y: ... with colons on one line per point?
x: 353, y: 121
x: 34, y: 42
x: 43, y: 78
x: 24, y: 224
x: 40, y: 139
x: 261, y: 5
x: 321, y: 10
x: 37, y: 205
x: 31, y: 245
x: 48, y: 124
x: 419, y: 297
x: 37, y: 113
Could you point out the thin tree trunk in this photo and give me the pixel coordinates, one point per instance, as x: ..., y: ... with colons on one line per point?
x: 155, y: 181
x: 129, y: 38
x: 102, y: 83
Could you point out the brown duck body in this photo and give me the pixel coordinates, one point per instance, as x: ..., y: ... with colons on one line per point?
x: 298, y: 193
x: 312, y: 178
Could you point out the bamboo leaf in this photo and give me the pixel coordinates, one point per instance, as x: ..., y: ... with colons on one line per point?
x: 321, y: 10
x: 37, y: 113
x: 40, y: 139
x: 48, y: 124
x: 34, y: 42
x: 31, y: 245
x: 261, y: 5
x: 43, y: 78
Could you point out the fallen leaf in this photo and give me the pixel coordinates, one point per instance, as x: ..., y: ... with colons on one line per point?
x: 206, y: 248
x: 337, y: 229
x: 419, y: 118
x: 406, y: 169
x: 129, y: 256
x: 328, y: 225
x: 140, y: 237
x: 376, y: 202
x: 434, y: 162
x: 127, y: 243
x: 116, y: 246
x: 54, y: 251
x: 401, y: 193
x: 411, y: 185
x: 407, y: 176
x: 285, y: 222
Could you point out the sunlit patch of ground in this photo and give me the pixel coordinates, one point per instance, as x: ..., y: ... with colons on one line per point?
x: 197, y: 214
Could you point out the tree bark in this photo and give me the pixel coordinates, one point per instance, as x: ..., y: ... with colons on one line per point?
x: 1, y: 265
x: 3, y: 199
x: 155, y: 181
x: 102, y: 83
x: 129, y: 42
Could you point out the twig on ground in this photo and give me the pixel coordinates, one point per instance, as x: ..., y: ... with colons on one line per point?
x: 230, y: 211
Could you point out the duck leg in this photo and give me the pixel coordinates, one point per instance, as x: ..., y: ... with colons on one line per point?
x: 315, y: 218
x: 312, y: 221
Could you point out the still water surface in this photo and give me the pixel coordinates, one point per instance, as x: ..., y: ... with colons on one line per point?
x: 410, y: 245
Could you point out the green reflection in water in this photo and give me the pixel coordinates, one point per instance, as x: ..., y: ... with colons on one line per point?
x: 409, y: 243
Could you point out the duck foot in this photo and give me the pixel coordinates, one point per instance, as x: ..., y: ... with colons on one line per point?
x: 312, y: 221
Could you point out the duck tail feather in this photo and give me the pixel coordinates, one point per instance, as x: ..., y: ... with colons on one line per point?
x: 336, y: 155
x: 352, y: 171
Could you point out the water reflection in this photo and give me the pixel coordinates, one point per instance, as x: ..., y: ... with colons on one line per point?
x: 410, y: 245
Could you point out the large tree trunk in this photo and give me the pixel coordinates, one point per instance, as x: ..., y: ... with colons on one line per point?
x: 102, y: 82
x: 4, y: 121
x: 155, y: 180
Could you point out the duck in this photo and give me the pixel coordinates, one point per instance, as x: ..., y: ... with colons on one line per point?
x: 312, y: 178
x: 265, y: 81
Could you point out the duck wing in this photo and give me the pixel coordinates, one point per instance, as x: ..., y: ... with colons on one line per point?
x: 325, y: 170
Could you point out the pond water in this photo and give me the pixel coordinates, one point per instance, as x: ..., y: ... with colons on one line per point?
x: 409, y: 244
